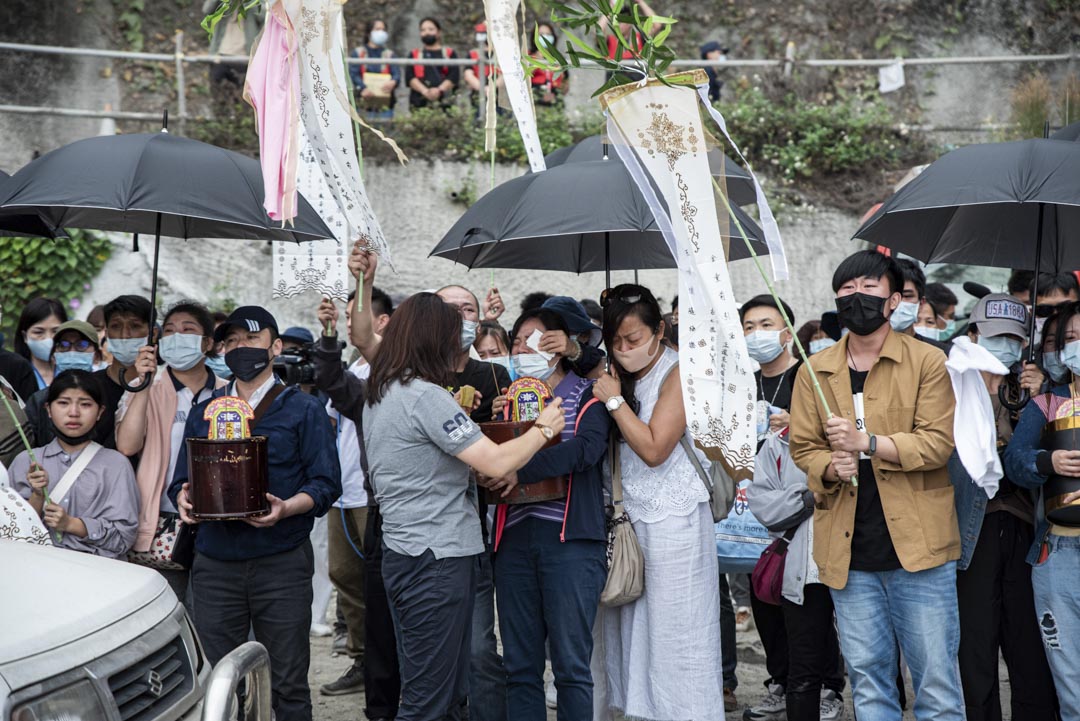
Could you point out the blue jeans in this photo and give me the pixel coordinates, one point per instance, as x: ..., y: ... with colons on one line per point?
x: 487, y: 676
x: 1057, y: 607
x: 548, y: 589
x: 873, y: 612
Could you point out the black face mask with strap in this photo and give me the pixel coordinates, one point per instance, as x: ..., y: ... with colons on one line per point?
x: 860, y: 313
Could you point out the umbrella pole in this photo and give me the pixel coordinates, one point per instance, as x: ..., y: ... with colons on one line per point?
x: 153, y: 312
x: 1035, y: 285
x: 607, y: 260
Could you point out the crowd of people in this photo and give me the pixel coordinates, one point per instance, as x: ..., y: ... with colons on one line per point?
x: 911, y: 540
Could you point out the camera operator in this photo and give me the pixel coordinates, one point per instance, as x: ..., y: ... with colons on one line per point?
x: 296, y: 364
x: 355, y: 523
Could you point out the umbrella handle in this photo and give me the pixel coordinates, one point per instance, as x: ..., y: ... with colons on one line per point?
x: 1013, y: 403
x: 147, y: 377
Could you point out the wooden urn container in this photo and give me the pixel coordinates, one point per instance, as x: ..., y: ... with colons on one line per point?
x: 229, y: 478
x: 546, y: 490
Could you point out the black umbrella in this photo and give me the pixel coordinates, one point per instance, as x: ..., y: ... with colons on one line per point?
x: 1006, y: 205
x: 18, y: 224
x: 153, y: 183
x: 1069, y: 132
x: 577, y: 217
x: 740, y: 185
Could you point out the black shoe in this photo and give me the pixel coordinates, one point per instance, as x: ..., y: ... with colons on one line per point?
x: 352, y: 681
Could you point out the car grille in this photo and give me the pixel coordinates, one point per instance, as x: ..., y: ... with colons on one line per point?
x: 146, y: 688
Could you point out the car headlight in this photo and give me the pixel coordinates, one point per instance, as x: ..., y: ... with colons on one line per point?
x: 77, y: 702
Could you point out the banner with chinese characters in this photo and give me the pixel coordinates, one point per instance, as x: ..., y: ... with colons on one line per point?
x: 658, y: 132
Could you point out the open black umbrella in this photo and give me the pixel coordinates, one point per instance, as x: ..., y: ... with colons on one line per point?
x: 740, y: 185
x: 1006, y: 205
x: 17, y: 224
x: 153, y: 183
x: 1069, y: 132
x: 576, y: 217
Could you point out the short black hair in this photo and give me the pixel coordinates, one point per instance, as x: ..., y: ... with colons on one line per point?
x: 134, y: 305
x: 381, y: 304
x: 940, y: 296
x: 766, y: 300
x: 37, y: 310
x: 197, y: 311
x: 219, y: 317
x: 911, y: 271
x: 76, y: 378
x: 550, y: 320
x: 1019, y: 281
x: 674, y: 304
x: 868, y: 264
x: 1049, y: 282
x: 534, y: 300
x: 433, y: 21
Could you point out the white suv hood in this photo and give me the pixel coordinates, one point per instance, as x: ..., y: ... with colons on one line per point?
x: 53, y: 596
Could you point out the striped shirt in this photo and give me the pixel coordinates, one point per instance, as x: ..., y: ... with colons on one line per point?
x: 571, y: 390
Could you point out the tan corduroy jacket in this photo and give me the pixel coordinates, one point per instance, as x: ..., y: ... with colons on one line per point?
x: 909, y: 398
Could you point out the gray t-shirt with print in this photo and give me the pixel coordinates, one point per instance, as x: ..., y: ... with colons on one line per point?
x: 423, y: 491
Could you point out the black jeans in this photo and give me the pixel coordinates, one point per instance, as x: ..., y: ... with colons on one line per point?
x: 769, y: 620
x: 729, y: 658
x: 813, y: 652
x: 382, y: 678
x: 997, y: 609
x: 271, y: 595
x: 432, y: 603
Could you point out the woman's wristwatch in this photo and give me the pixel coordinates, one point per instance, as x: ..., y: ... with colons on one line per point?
x: 548, y: 431
x: 614, y: 403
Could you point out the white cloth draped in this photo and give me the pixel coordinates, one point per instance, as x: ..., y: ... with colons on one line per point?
x: 974, y: 426
x: 657, y: 130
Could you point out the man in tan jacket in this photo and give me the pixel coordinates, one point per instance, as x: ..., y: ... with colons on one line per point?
x: 886, y: 545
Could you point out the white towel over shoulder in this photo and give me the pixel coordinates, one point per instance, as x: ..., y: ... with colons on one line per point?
x: 974, y: 419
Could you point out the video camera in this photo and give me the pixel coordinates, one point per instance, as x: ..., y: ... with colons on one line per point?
x: 296, y: 366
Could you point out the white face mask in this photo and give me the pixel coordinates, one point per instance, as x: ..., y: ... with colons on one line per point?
x: 635, y: 359
x: 764, y: 345
x: 379, y: 37
x: 930, y: 333
x: 819, y: 344
x: 904, y: 316
x: 182, y: 351
x: 468, y: 333
x: 533, y: 365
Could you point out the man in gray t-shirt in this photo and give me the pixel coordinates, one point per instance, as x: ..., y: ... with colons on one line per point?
x: 421, y: 487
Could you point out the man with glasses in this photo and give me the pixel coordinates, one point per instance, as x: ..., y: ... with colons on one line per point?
x: 256, y: 573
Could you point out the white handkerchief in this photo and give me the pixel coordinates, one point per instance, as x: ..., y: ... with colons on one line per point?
x: 534, y: 343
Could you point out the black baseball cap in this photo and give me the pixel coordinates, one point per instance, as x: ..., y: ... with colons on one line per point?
x: 249, y: 317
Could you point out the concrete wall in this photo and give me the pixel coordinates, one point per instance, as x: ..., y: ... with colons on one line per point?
x: 414, y: 206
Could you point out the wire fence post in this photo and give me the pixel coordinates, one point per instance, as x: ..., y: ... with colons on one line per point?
x: 181, y: 85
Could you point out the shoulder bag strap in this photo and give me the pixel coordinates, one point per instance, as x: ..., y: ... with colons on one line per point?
x: 57, y: 494
x: 264, y: 405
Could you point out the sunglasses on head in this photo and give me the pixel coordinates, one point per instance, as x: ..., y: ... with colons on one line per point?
x: 81, y: 345
x: 629, y: 294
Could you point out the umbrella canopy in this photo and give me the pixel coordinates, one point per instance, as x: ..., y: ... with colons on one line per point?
x: 740, y: 184
x: 990, y: 205
x: 1069, y: 132
x: 576, y: 217
x: 17, y: 224
x: 123, y: 183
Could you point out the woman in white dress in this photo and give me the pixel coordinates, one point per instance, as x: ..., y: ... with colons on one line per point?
x: 661, y: 652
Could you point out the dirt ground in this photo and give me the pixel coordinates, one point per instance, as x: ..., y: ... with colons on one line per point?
x: 751, y: 673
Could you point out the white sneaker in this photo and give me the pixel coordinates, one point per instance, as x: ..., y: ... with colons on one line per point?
x: 744, y: 619
x: 321, y: 629
x: 773, y: 707
x: 832, y: 706
x: 551, y: 696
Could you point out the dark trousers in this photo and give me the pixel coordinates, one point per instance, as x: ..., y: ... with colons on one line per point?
x: 382, y: 678
x: 432, y: 604
x: 729, y: 658
x: 487, y: 674
x: 813, y: 652
x: 769, y: 620
x: 272, y: 597
x: 548, y: 590
x: 347, y: 572
x: 997, y: 610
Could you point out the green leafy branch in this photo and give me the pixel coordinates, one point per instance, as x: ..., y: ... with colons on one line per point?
x: 227, y: 8
x: 585, y: 26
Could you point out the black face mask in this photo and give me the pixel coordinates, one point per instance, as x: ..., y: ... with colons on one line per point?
x: 73, y: 440
x: 429, y: 39
x: 860, y: 313
x: 247, y: 363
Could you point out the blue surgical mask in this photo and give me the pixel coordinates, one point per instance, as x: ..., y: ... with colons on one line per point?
x: 764, y: 345
x: 820, y: 344
x: 218, y: 366
x: 379, y: 37
x: 1005, y: 348
x: 931, y: 333
x: 73, y: 360
x: 1070, y: 357
x: 182, y: 351
x: 505, y: 362
x: 1051, y: 363
x: 533, y: 365
x: 40, y: 349
x: 468, y: 333
x: 948, y: 330
x: 904, y: 316
x: 126, y: 350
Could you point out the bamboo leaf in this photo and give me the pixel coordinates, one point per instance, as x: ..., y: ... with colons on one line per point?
x: 583, y: 46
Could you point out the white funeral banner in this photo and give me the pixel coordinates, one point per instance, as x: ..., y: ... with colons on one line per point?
x: 328, y: 173
x: 657, y: 131
x: 503, y: 35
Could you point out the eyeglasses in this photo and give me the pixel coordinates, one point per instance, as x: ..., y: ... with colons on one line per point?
x: 81, y: 345
x: 624, y: 293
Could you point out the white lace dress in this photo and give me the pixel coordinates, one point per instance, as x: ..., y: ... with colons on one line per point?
x: 662, y: 652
